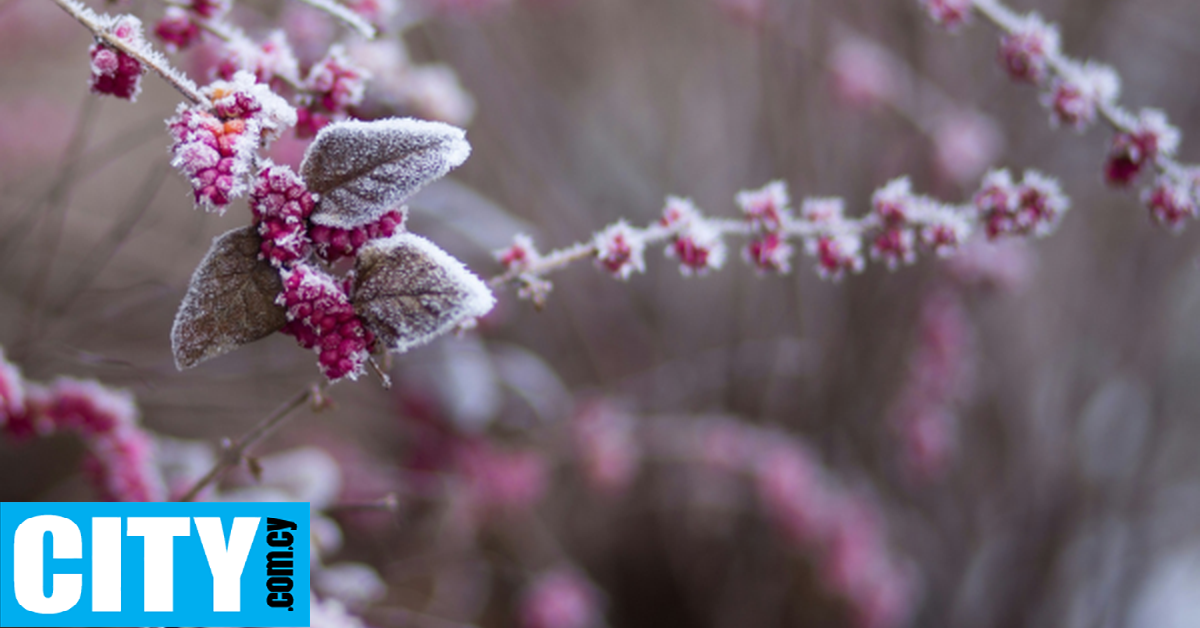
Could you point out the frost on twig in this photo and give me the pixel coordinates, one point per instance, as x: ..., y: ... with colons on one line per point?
x: 119, y: 73
x: 899, y: 225
x: 409, y: 291
x: 1078, y: 93
x: 363, y: 170
x: 230, y: 302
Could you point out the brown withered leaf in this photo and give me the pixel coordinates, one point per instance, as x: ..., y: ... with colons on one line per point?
x: 361, y: 170
x: 409, y: 291
x: 230, y: 302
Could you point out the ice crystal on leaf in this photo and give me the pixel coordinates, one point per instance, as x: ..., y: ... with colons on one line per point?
x: 363, y: 170
x: 409, y: 291
x: 230, y: 302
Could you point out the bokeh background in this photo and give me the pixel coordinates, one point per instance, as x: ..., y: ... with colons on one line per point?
x: 1055, y: 482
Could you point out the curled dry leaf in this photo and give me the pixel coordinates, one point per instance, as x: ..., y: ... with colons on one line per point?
x: 409, y: 291
x: 362, y: 170
x: 230, y: 302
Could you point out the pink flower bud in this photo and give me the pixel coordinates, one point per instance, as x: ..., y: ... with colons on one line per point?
x: 519, y: 255
x: 176, y: 29
x: 766, y: 208
x: 1151, y: 135
x: 948, y: 13
x: 1075, y: 97
x: 114, y: 72
x: 1171, y: 202
x: 619, y: 250
x: 1026, y: 51
x: 769, y: 253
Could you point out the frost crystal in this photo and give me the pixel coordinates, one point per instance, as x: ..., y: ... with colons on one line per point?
x: 230, y: 302
x: 520, y: 254
x: 769, y: 253
x: 619, y: 250
x: 1076, y: 96
x: 113, y: 71
x: 322, y: 318
x: 88, y: 407
x: 243, y: 98
x: 281, y: 206
x: 333, y: 243
x: 269, y: 61
x: 836, y: 254
x: 1152, y: 135
x: 948, y: 13
x: 176, y: 29
x: 1033, y: 207
x: 1171, y: 203
x: 214, y: 155
x: 363, y: 170
x: 121, y: 465
x: 409, y: 291
x: 1025, y: 53
x: 767, y: 207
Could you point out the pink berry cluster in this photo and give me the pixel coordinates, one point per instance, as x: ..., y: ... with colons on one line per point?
x: 320, y: 314
x: 329, y: 90
x: 1078, y: 93
x: 1033, y: 207
x: 948, y: 13
x: 938, y: 379
x: 333, y: 86
x: 321, y: 317
x: 840, y: 531
x: 696, y: 242
x: 216, y: 149
x: 767, y: 213
x: 120, y: 462
x: 181, y: 24
x: 281, y: 205
x: 334, y: 243
x: 272, y: 61
x: 560, y: 598
x: 899, y: 225
x: 116, y: 72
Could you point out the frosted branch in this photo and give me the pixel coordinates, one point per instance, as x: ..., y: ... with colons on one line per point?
x: 100, y: 26
x: 899, y: 224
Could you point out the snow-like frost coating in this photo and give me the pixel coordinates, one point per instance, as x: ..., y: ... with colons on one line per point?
x: 362, y: 170
x: 230, y: 302
x: 409, y: 291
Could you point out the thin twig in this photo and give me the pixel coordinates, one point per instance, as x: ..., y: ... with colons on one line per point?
x: 1007, y: 21
x: 156, y: 62
x: 352, y: 19
x: 655, y: 234
x: 235, y: 452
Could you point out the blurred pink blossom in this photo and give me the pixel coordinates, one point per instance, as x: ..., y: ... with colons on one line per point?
x: 560, y: 599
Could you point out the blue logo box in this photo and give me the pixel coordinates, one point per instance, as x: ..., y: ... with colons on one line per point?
x: 154, y: 564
